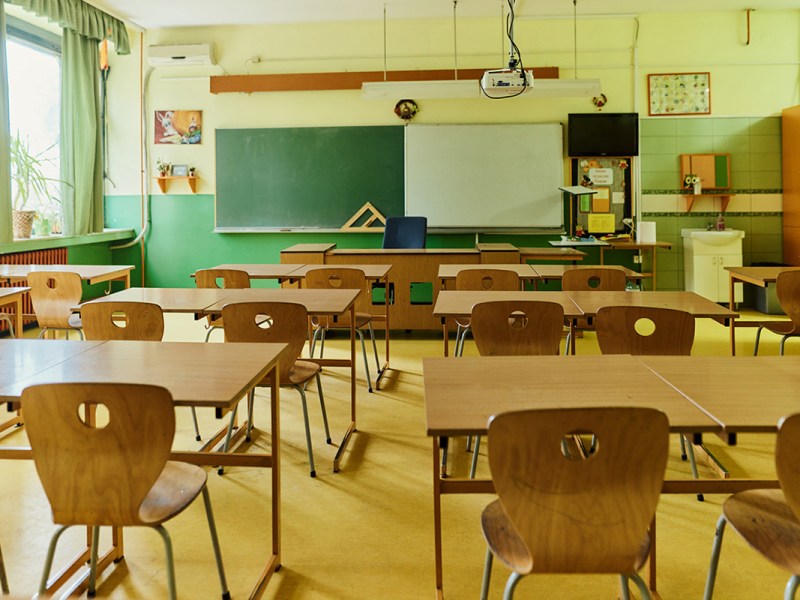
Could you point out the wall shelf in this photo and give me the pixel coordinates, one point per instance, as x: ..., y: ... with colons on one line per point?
x: 725, y: 197
x: 162, y: 182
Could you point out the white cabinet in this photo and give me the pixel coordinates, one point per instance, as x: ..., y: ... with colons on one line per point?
x: 705, y: 256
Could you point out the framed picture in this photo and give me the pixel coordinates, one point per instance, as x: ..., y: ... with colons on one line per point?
x: 178, y: 127
x: 180, y: 170
x: 679, y: 94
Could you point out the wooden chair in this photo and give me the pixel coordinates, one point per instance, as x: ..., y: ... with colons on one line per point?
x: 649, y: 331
x: 54, y: 295
x: 559, y: 513
x: 601, y: 279
x: 768, y: 520
x: 515, y: 328
x: 220, y: 278
x: 788, y: 290
x: 134, y: 321
x: 117, y: 474
x: 344, y: 278
x: 488, y: 279
x: 287, y: 323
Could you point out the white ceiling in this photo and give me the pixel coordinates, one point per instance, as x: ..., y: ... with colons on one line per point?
x: 154, y: 14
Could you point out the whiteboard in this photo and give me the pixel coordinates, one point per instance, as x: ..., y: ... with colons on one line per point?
x: 485, y: 176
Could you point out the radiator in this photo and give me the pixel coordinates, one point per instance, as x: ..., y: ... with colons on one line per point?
x: 51, y: 256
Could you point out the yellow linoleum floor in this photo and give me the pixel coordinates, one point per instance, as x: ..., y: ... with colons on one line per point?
x: 367, y: 531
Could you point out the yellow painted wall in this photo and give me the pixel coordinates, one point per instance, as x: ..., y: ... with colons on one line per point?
x: 758, y: 79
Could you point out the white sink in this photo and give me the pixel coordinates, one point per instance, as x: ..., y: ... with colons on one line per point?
x: 713, y: 237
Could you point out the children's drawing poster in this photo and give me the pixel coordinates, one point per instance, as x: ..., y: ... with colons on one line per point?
x: 178, y: 127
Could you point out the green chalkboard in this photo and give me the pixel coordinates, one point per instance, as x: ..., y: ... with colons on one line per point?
x: 306, y: 177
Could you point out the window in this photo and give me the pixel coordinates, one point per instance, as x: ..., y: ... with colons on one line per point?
x: 34, y: 76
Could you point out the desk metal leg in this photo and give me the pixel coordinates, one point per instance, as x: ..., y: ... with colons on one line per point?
x: 385, y: 368
x: 731, y: 305
x: 352, y: 428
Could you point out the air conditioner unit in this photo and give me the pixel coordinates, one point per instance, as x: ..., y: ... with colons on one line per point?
x: 180, y: 55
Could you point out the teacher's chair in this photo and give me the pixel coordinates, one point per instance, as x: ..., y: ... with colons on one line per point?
x: 405, y: 232
x: 116, y: 474
x: 768, y: 519
x: 561, y: 513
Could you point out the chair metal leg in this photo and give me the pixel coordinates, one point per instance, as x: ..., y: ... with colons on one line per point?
x: 170, y: 564
x: 758, y: 338
x: 215, y: 543
x: 251, y: 398
x: 473, y: 467
x: 3, y: 578
x: 791, y: 587
x: 641, y: 585
x: 308, y: 429
x: 374, y: 348
x: 683, y: 446
x: 210, y: 330
x: 693, y: 465
x: 783, y: 342
x: 511, y: 585
x: 10, y: 325
x: 715, y: 551
x: 324, y: 412
x: 48, y: 561
x: 319, y: 331
x: 625, y: 593
x: 366, y: 363
x: 92, y: 591
x: 196, y: 426
x: 487, y: 574
x: 228, y: 434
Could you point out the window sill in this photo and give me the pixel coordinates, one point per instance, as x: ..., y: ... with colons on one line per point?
x: 59, y: 241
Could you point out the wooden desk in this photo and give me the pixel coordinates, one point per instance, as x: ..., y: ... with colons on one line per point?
x: 461, y: 395
x: 453, y: 304
x: 176, y: 300
x: 456, y: 393
x: 760, y: 276
x: 12, y: 296
x: 277, y: 271
x: 196, y: 374
x: 591, y: 301
x: 547, y: 272
x: 90, y: 273
x: 568, y: 254
x: 636, y: 246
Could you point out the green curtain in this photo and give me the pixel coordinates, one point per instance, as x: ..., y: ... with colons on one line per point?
x: 80, y: 144
x: 82, y: 18
x: 6, y: 230
x: 81, y: 150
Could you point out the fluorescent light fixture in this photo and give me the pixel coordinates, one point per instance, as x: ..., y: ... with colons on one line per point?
x: 469, y: 88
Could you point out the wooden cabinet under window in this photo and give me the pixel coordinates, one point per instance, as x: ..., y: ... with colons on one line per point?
x: 790, y: 129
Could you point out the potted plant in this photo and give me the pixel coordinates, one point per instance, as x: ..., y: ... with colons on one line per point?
x: 30, y: 186
x: 164, y: 168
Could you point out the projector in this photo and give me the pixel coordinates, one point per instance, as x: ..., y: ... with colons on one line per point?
x: 506, y: 81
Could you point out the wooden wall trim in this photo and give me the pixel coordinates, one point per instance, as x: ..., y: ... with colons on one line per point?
x: 297, y: 82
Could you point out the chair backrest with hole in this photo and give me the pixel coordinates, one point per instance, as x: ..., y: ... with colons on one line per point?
x: 498, y: 280
x: 142, y: 321
x: 341, y: 278
x: 517, y: 327
x: 644, y: 330
x: 222, y: 278
x: 787, y: 449
x: 605, y: 279
x: 281, y: 322
x: 580, y: 514
x: 405, y: 232
x: 54, y: 294
x: 787, y: 287
x: 98, y: 474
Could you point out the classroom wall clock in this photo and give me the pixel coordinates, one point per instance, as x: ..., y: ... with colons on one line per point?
x: 406, y: 109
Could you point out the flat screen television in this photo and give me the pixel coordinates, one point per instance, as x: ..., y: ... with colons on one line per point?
x: 603, y: 134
